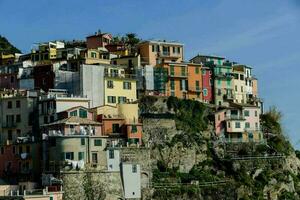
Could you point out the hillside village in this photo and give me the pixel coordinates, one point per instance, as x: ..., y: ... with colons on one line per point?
x: 114, y: 117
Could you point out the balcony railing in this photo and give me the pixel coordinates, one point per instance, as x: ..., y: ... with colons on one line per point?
x: 235, y: 117
x: 224, y: 75
x: 184, y: 75
x: 9, y: 125
x: 114, y: 75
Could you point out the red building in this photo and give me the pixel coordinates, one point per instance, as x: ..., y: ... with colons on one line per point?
x: 9, y: 81
x: 207, y: 84
x: 98, y: 40
x: 20, y: 161
x: 44, y: 77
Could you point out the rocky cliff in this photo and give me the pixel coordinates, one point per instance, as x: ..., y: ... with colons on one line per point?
x: 189, y: 162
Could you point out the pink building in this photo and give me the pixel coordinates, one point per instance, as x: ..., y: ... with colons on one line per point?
x: 239, y: 123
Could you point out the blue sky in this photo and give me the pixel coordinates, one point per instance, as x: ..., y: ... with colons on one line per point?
x: 263, y: 34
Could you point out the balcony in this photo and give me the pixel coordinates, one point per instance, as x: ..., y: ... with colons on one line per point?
x: 169, y: 54
x: 234, y: 117
x: 120, y: 76
x: 228, y: 97
x: 224, y: 75
x: 181, y: 75
x: 9, y: 125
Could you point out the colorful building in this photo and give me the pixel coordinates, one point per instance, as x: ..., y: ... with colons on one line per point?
x: 56, y: 101
x: 18, y: 115
x: 20, y: 161
x: 120, y: 121
x: 119, y: 87
x: 207, y: 85
x: 239, y: 123
x: 156, y: 52
x: 98, y: 40
x: 45, y: 53
x: 223, y: 85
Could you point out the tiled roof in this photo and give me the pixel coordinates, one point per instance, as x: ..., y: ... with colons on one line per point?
x: 75, y: 120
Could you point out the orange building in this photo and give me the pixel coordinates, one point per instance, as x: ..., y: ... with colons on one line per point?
x: 184, y: 80
x: 156, y: 52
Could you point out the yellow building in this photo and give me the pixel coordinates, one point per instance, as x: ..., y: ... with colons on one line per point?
x: 97, y: 56
x: 118, y: 86
x: 45, y: 52
x: 239, y: 84
x: 6, y: 59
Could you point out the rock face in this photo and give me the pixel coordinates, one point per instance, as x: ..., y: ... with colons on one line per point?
x: 186, y: 163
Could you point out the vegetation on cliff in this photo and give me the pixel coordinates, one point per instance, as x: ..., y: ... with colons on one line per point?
x: 6, y: 47
x: 264, y: 170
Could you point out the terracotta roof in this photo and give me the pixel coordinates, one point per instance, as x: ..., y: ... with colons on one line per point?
x: 75, y: 120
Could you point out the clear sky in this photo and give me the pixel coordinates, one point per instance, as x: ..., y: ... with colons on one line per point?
x: 264, y: 34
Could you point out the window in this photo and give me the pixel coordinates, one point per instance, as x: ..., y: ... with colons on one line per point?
x: 196, y: 70
x: 115, y: 128
x: 197, y: 85
x: 203, y: 72
x: 173, y: 94
x: 228, y: 82
x: 82, y: 141
x: 178, y: 49
x: 219, y: 92
x: 242, y: 89
x: 246, y: 113
x: 256, y: 113
x: 82, y: 113
x: 18, y: 104
x: 172, y: 84
x: 80, y: 155
x: 51, y: 118
x: 97, y: 142
x: 69, y: 155
x: 122, y: 100
x: 235, y: 88
x: 247, y: 125
x: 18, y: 118
x: 228, y: 124
x: 9, y: 134
x: 237, y: 125
x: 219, y: 117
x: 198, y: 94
x: 153, y: 48
x: 45, y: 119
x: 73, y: 113
x: 111, y: 99
x: 94, y: 157
x: 110, y: 84
x: 12, y: 79
x: 134, y: 168
x: 183, y: 71
x: 256, y: 125
x: 205, y: 92
x: 20, y: 149
x: 126, y: 85
x: 219, y: 82
x: 2, y: 150
x: 9, y: 104
x: 27, y: 149
x: 93, y: 54
x: 111, y: 154
x: 133, y: 129
x: 172, y: 70
x: 52, y: 141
